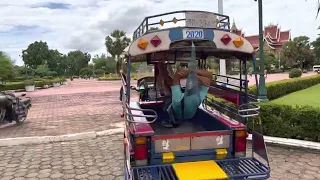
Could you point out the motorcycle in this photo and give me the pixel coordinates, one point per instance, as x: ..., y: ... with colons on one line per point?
x: 14, y: 108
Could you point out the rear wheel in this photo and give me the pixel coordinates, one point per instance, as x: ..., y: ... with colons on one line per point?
x: 2, y: 114
x: 21, y: 118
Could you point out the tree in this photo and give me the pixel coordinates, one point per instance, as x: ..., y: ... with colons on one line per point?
x: 42, y: 70
x: 115, y: 43
x: 297, y: 52
x: 6, y: 67
x: 57, y: 62
x: 85, y: 72
x: 270, y: 61
x: 36, y: 54
x: 316, y: 46
x: 99, y: 72
x: 77, y: 60
x: 108, y: 64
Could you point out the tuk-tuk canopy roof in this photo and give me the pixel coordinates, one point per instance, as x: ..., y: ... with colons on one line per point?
x: 210, y: 33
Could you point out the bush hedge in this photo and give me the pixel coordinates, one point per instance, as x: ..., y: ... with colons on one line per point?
x: 285, y: 121
x: 300, y: 122
x: 20, y: 85
x: 105, y: 78
x: 280, y: 88
x: 295, y: 73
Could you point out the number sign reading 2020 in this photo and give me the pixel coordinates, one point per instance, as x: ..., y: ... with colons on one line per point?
x: 201, y: 19
x: 193, y: 34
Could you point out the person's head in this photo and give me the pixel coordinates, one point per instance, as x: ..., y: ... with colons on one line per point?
x: 161, y: 68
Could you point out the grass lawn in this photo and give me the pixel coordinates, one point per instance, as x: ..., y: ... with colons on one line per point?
x: 309, y: 96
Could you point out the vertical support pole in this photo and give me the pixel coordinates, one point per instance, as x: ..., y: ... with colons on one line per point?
x: 245, y: 72
x: 128, y: 79
x: 254, y: 62
x: 222, y: 61
x: 262, y: 82
x: 240, y: 69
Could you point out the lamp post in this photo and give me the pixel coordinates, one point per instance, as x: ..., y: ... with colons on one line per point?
x: 262, y: 93
x: 222, y: 63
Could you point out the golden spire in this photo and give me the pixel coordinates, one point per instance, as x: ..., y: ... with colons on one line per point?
x: 234, y: 27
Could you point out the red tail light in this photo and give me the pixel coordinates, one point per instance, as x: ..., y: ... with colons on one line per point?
x: 240, y: 143
x: 141, y: 152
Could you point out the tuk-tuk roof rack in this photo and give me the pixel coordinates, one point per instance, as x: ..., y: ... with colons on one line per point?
x: 222, y: 22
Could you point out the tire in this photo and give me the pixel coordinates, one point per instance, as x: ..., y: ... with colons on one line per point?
x: 2, y: 115
x: 21, y: 119
x: 121, y: 93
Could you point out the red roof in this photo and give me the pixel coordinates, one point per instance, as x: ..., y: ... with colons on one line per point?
x: 273, y: 35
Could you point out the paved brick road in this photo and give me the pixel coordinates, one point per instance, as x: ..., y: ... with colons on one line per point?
x: 102, y: 159
x: 81, y: 106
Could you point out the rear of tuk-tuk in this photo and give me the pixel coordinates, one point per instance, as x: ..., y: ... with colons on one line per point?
x: 211, y: 145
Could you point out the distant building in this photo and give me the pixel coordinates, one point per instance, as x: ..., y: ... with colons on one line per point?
x: 273, y: 38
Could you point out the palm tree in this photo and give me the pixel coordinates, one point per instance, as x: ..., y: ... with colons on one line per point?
x: 318, y: 9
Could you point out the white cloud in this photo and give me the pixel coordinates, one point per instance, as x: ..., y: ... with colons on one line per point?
x: 85, y: 25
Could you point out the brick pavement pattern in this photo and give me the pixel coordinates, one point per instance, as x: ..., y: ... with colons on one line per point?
x: 102, y: 158
x: 81, y: 106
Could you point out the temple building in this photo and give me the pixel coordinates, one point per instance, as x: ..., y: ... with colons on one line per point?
x: 273, y: 38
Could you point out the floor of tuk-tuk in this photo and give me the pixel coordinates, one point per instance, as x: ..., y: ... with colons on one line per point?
x: 187, y: 126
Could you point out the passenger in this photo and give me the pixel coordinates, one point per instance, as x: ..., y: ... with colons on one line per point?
x: 190, y: 104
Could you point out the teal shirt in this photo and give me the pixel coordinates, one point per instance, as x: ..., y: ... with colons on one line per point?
x: 190, y: 102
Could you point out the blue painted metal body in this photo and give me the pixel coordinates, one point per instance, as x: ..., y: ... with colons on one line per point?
x: 240, y: 168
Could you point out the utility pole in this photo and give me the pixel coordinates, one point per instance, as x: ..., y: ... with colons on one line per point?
x: 262, y: 96
x: 222, y: 63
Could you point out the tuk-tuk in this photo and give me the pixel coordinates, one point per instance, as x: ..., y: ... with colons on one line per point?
x: 214, y: 144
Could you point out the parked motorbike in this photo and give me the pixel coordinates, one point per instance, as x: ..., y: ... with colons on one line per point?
x: 14, y: 108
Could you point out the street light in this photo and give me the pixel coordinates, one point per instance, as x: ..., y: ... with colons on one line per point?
x: 262, y: 93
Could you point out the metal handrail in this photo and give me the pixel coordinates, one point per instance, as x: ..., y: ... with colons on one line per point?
x: 242, y: 81
x: 249, y: 112
x: 129, y: 114
x: 224, y: 22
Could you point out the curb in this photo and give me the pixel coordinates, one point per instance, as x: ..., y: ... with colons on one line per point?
x: 93, y: 135
x: 60, y: 138
x: 289, y: 142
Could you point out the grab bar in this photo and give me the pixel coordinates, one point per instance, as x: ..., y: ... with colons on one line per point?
x: 251, y: 110
x: 129, y: 114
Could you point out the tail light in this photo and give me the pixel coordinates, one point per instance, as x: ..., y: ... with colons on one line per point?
x: 141, y: 151
x: 240, y: 145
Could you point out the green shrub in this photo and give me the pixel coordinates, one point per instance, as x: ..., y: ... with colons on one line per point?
x: 99, y: 72
x: 295, y: 72
x: 56, y: 80
x: 29, y: 82
x: 12, y: 86
x: 63, y: 79
x: 106, y: 78
x: 48, y: 77
x: 21, y: 85
x: 280, y: 88
x: 285, y: 121
x: 43, y: 82
x: 291, y: 122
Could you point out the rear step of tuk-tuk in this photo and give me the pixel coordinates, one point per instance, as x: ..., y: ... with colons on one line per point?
x: 240, y: 168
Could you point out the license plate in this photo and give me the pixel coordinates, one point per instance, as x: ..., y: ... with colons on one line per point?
x: 193, y: 34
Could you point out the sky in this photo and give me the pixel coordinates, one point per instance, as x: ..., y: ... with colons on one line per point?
x: 83, y: 24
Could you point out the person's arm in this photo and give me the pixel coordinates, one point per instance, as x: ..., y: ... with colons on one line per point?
x: 204, y: 80
x: 203, y: 92
x: 180, y: 74
x: 205, y: 73
x: 177, y: 94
